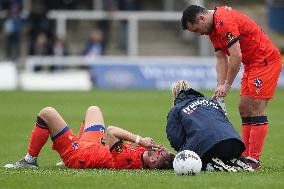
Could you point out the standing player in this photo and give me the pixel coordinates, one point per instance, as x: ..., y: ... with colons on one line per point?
x: 236, y: 38
x: 88, y: 150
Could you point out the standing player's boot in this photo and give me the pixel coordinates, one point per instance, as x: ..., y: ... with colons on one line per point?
x: 255, y: 164
x: 22, y: 164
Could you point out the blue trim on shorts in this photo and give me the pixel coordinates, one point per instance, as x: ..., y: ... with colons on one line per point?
x: 60, y: 133
x: 100, y: 128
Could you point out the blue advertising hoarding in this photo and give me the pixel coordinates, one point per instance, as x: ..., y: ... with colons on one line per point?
x: 159, y: 73
x: 156, y: 74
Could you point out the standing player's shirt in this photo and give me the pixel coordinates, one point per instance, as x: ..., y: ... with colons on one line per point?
x: 230, y: 26
x: 127, y: 156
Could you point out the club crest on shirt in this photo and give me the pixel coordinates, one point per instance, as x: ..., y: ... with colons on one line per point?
x: 221, y: 23
x: 257, y: 82
x: 230, y: 37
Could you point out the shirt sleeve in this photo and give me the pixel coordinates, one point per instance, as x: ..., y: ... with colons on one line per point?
x: 228, y: 29
x: 117, y: 146
x: 175, y: 132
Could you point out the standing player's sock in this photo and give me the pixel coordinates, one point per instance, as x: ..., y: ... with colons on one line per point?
x: 81, y: 129
x: 39, y: 136
x: 246, y: 128
x: 257, y: 136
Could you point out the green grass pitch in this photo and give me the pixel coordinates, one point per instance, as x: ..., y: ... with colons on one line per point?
x: 141, y: 111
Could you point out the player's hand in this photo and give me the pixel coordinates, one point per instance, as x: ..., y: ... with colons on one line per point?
x: 221, y: 91
x: 148, y: 142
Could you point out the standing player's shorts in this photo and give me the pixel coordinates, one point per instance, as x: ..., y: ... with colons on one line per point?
x: 87, y: 152
x: 127, y: 156
x: 260, y: 81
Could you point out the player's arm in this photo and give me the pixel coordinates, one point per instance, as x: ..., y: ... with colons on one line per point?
x: 115, y: 134
x: 230, y: 34
x: 221, y: 70
x: 234, y: 64
x: 221, y: 67
x: 233, y: 67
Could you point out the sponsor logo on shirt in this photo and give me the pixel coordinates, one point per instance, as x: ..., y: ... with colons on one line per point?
x: 194, y: 105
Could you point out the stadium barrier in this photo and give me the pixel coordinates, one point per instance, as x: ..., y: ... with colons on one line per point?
x: 157, y: 73
x: 59, y: 81
x: 136, y: 72
x: 84, y: 73
x: 8, y: 76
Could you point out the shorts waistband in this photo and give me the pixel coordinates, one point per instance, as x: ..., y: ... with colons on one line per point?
x: 60, y: 133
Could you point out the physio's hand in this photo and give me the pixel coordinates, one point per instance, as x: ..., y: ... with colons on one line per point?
x: 148, y: 142
x: 221, y: 91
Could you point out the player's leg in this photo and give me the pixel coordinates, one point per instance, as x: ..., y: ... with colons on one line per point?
x: 259, y: 128
x: 252, y: 112
x: 262, y: 82
x: 246, y: 122
x: 82, y: 127
x: 47, y: 122
x: 244, y: 111
x: 53, y: 120
x: 94, y: 126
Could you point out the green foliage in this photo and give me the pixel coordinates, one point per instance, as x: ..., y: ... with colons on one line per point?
x: 140, y: 111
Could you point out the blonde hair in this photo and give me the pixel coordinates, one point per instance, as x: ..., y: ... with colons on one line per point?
x: 178, y: 86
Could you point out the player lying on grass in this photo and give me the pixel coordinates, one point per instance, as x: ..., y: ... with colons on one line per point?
x: 199, y: 124
x: 88, y: 150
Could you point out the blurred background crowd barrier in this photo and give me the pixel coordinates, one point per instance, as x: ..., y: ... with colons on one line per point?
x: 78, y: 45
